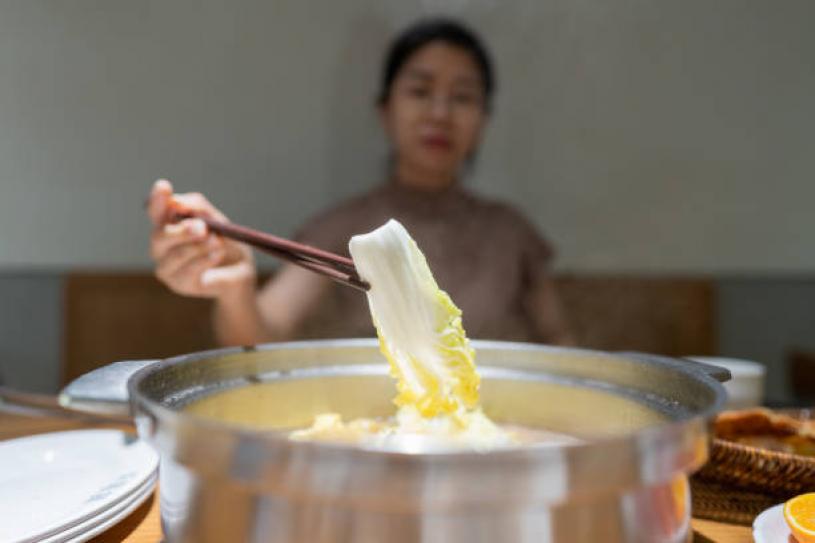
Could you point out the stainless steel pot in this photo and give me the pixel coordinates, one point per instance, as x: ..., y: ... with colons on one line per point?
x: 231, y: 474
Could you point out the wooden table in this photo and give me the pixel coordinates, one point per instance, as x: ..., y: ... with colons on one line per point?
x: 143, y: 525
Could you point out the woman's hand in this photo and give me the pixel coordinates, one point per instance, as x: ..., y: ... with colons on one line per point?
x: 189, y: 258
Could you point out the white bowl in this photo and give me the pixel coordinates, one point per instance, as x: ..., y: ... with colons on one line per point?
x: 746, y: 387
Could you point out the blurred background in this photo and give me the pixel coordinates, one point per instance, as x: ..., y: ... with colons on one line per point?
x: 667, y: 149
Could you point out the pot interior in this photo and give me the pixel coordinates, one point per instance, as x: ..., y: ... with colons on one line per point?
x: 580, y: 393
x: 557, y: 407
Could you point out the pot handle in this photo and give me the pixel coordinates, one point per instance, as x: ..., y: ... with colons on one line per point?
x: 42, y: 405
x: 102, y: 391
x: 716, y: 372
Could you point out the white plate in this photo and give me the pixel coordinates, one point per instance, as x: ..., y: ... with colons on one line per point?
x: 52, y: 482
x: 98, y: 524
x: 770, y: 526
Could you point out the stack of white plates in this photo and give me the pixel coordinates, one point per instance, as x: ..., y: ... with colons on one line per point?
x: 71, y: 486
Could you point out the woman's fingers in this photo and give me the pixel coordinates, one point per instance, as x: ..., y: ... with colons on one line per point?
x: 169, y: 236
x: 195, y: 201
x: 160, y: 196
x: 179, y: 256
x: 220, y: 278
x: 206, y: 276
x: 187, y: 278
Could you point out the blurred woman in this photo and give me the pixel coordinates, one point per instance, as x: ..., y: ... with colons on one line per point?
x: 436, y: 91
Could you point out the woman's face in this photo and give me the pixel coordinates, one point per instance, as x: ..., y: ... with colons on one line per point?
x: 435, y: 112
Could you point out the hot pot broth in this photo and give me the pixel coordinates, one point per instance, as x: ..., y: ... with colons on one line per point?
x: 550, y: 411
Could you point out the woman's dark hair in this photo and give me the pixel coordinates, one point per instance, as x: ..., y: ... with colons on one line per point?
x: 426, y: 31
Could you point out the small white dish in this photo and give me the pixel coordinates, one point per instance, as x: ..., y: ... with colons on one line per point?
x: 50, y: 483
x: 770, y: 526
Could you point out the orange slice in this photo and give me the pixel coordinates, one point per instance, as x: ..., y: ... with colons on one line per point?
x: 799, y: 512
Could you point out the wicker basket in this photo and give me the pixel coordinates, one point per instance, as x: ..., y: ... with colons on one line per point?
x: 740, y: 481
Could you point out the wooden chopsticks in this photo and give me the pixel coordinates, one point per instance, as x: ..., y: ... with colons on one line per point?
x: 339, y: 268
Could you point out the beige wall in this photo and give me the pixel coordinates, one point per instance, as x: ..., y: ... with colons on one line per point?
x: 641, y: 136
